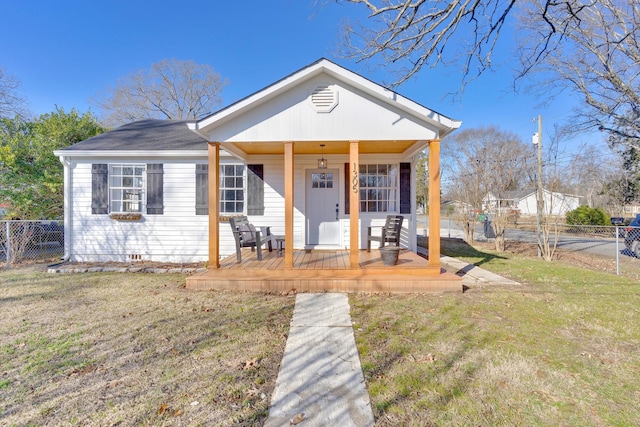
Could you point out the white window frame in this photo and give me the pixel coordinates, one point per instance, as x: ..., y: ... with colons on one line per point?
x: 127, y: 191
x: 379, y: 187
x: 225, y: 189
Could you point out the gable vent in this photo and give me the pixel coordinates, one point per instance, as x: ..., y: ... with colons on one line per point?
x: 324, y: 99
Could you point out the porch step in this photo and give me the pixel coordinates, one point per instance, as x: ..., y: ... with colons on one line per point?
x: 446, y: 282
x: 326, y: 271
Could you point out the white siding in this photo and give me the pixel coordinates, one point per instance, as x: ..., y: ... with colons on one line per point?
x: 554, y: 204
x: 179, y: 235
x: 292, y: 117
x: 176, y: 236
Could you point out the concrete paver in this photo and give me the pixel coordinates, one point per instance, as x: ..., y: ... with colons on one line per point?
x: 320, y: 382
x: 473, y: 274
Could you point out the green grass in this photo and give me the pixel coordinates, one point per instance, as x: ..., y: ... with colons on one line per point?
x: 561, y: 349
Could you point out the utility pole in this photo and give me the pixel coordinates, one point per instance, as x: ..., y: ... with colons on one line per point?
x: 537, y: 140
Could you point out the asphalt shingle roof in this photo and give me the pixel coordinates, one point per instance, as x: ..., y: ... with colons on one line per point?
x: 147, y: 134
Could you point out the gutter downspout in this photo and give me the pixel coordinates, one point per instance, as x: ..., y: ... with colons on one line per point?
x: 68, y: 208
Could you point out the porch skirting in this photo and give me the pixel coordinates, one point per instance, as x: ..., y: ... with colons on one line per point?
x: 326, y: 271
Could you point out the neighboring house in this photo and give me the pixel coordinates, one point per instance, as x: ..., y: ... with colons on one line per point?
x: 525, y: 202
x: 631, y: 209
x: 505, y: 202
x: 142, y: 191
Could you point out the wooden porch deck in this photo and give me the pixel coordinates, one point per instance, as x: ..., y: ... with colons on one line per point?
x: 326, y: 271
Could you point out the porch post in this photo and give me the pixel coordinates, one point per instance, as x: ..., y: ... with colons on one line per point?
x: 214, y: 204
x: 434, y: 203
x: 354, y: 204
x: 288, y: 204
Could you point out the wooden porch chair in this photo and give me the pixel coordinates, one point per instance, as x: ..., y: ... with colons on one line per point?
x: 247, y: 236
x: 390, y: 232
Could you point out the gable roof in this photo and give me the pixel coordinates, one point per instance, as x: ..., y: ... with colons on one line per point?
x: 143, y: 135
x: 375, y: 115
x: 405, y: 118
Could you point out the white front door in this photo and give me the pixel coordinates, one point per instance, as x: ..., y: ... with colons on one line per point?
x: 322, y: 207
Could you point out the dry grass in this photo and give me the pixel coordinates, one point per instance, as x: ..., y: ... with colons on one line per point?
x: 135, y: 349
x: 560, y: 350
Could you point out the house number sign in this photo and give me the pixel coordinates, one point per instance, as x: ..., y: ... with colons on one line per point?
x: 354, y: 180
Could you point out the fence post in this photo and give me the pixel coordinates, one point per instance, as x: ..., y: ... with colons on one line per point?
x: 617, y: 251
x: 7, y: 247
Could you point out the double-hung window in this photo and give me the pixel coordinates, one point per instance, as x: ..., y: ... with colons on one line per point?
x: 241, y: 189
x: 127, y: 187
x: 232, y: 188
x: 379, y: 188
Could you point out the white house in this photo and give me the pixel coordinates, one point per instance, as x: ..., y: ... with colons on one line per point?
x: 525, y: 202
x: 142, y: 191
x: 554, y: 203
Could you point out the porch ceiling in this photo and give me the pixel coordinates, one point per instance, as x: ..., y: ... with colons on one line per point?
x: 331, y: 147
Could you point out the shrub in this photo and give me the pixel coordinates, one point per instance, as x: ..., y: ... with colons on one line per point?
x: 585, y: 215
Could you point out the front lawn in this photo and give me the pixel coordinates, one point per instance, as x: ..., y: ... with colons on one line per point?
x: 135, y: 349
x: 562, y: 349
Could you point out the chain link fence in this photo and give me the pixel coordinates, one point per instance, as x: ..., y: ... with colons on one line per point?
x: 598, y: 231
x: 621, y: 244
x: 29, y: 241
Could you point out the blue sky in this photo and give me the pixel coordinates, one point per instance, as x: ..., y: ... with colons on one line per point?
x: 66, y: 52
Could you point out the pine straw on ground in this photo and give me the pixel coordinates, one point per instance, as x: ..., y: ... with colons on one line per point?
x: 132, y: 349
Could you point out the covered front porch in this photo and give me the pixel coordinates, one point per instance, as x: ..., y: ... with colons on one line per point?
x: 372, y: 139
x: 326, y: 271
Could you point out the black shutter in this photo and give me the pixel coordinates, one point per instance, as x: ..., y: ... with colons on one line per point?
x: 405, y: 188
x: 202, y: 189
x: 255, y: 190
x: 155, y: 190
x: 347, y: 190
x: 99, y: 189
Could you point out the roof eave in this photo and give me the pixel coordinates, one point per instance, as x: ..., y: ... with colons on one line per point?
x: 132, y: 153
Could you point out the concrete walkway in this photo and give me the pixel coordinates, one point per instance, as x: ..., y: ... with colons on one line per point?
x: 472, y: 274
x: 320, y: 382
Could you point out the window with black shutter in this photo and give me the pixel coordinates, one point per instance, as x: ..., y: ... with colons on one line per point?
x: 233, y: 194
x: 381, y: 187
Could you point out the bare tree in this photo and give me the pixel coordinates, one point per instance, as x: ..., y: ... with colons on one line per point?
x: 412, y: 34
x: 555, y: 179
x: 488, y: 161
x: 589, y: 170
x: 590, y: 47
x: 596, y: 57
x: 422, y: 181
x: 170, y: 89
x: 11, y: 103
